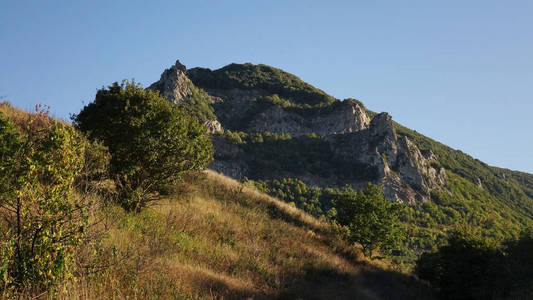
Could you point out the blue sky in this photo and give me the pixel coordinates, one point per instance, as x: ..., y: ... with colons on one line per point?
x: 460, y: 72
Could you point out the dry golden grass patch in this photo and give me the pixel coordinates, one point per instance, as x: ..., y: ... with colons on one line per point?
x: 37, y: 119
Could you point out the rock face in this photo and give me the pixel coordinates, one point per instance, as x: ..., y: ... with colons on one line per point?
x: 213, y: 126
x: 344, y: 118
x: 405, y: 173
x: 238, y: 110
x: 228, y: 158
x: 178, y: 89
x: 174, y: 84
x: 354, y: 139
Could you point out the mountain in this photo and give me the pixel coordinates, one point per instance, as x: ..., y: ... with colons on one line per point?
x: 268, y: 125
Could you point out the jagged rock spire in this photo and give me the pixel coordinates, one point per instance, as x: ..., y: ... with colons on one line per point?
x: 174, y: 84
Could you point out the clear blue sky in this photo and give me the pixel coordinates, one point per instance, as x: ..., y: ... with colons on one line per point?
x: 460, y: 72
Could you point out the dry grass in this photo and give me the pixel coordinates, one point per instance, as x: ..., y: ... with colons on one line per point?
x: 26, y: 120
x: 217, y: 239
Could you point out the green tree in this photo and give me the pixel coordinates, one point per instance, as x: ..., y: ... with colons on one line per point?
x: 467, y: 267
x: 42, y: 219
x: 370, y: 218
x: 151, y: 141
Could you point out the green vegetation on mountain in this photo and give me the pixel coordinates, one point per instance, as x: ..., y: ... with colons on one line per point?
x: 78, y: 218
x: 523, y: 180
x: 198, y: 105
x: 276, y: 154
x: 469, y: 266
x: 43, y: 219
x: 507, y: 191
x: 314, y: 201
x: 424, y: 225
x: 262, y: 77
x: 370, y: 219
x: 498, y: 201
x: 476, y: 194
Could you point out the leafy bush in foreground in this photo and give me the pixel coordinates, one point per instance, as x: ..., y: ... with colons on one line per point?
x: 41, y: 219
x: 150, y: 140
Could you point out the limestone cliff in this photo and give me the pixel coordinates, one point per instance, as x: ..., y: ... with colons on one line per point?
x: 174, y: 84
x: 405, y: 173
x: 343, y: 118
x: 179, y: 89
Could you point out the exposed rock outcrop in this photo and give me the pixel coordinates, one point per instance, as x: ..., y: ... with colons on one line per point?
x: 229, y: 158
x: 177, y: 88
x: 174, y: 84
x: 213, y: 126
x: 344, y: 118
x: 241, y: 110
x: 403, y: 170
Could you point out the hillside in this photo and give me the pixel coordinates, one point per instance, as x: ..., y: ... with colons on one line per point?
x: 272, y: 126
x: 219, y: 239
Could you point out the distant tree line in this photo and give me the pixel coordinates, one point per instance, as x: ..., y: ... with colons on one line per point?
x: 469, y: 266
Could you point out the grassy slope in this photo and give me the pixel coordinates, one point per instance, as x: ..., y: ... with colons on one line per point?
x: 219, y: 239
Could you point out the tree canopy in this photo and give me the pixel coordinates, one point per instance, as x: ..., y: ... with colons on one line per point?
x: 370, y: 217
x: 151, y: 141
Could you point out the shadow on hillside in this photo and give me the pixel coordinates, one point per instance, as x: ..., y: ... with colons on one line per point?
x: 276, y: 213
x: 326, y: 283
x: 221, y: 289
x: 367, y: 283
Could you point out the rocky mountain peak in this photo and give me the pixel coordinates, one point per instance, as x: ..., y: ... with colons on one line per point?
x: 174, y: 84
x: 179, y: 66
x: 261, y: 99
x: 381, y: 126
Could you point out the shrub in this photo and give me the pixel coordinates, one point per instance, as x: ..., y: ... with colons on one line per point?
x: 42, y: 220
x: 370, y: 218
x: 152, y: 143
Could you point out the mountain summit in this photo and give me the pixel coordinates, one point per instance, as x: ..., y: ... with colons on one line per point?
x: 360, y: 146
